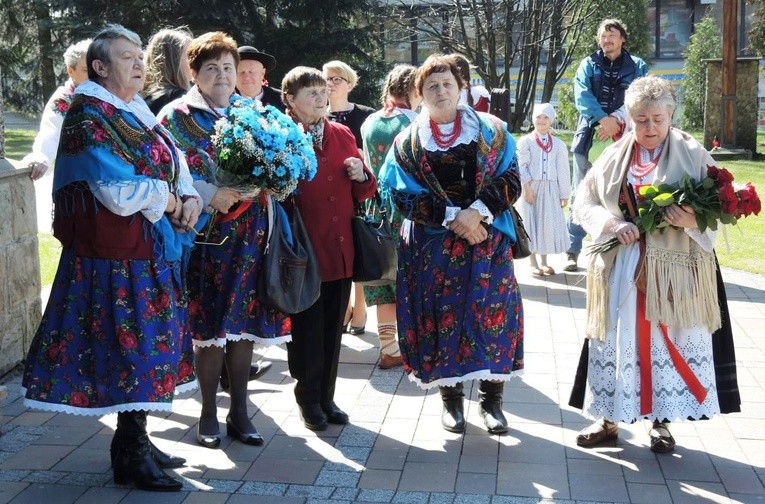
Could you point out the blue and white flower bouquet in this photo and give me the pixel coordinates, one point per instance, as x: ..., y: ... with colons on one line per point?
x: 260, y: 148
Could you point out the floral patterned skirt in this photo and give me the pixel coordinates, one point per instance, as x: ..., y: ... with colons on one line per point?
x: 111, y: 339
x: 459, y: 309
x: 223, y: 283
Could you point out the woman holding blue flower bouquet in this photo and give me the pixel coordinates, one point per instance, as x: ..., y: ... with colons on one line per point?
x: 225, y: 315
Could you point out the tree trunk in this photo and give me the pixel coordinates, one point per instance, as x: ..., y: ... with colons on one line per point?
x: 553, y: 53
x: 45, y: 41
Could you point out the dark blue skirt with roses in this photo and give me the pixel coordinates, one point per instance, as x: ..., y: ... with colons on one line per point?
x: 111, y: 338
x: 223, y: 283
x: 459, y: 309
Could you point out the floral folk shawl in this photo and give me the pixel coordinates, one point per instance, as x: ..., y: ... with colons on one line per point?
x: 406, y: 169
x: 102, y: 142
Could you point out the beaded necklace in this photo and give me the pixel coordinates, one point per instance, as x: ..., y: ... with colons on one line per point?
x: 445, y: 140
x: 641, y: 170
x: 546, y: 147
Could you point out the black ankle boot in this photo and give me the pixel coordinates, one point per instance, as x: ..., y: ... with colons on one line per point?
x: 164, y: 460
x: 490, y: 406
x: 453, y: 416
x: 132, y: 459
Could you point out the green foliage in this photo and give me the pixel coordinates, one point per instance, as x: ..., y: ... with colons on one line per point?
x: 566, y: 109
x: 757, y: 33
x: 295, y: 32
x: 705, y: 43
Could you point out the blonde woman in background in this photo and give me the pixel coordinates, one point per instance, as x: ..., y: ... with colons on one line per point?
x: 168, y: 75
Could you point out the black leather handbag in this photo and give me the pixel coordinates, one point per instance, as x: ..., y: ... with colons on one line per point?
x: 521, y: 246
x: 374, y: 248
x: 289, y: 279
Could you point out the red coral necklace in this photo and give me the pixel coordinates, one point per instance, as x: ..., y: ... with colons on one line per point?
x: 641, y: 170
x: 547, y: 148
x: 445, y: 140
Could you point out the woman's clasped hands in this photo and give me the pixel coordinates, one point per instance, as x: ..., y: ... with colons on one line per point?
x: 467, y: 225
x: 183, y: 212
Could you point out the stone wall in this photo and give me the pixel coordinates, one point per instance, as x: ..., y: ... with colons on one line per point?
x: 20, y: 309
x: 747, y: 82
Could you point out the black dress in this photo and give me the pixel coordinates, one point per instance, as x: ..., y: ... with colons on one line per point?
x: 353, y: 118
x: 162, y: 97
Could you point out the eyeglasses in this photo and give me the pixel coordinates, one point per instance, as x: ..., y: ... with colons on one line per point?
x: 202, y: 237
x: 336, y: 80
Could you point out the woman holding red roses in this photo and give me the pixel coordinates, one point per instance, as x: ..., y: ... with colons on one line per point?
x: 654, y: 301
x: 112, y: 336
x: 453, y: 176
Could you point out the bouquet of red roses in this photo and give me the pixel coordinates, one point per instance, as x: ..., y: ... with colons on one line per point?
x: 714, y: 198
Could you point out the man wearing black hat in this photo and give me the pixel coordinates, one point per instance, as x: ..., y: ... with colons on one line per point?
x: 251, y: 76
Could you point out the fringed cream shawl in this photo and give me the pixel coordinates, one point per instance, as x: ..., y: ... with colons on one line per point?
x: 681, y: 286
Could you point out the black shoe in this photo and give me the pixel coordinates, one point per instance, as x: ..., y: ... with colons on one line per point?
x: 256, y: 371
x: 570, y: 264
x: 165, y: 460
x: 334, y: 414
x: 490, y: 406
x: 251, y: 438
x: 313, y: 417
x: 208, y: 440
x: 133, y: 462
x: 453, y: 415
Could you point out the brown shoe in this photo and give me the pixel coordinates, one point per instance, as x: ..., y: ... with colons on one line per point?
x: 390, y: 361
x: 597, y: 433
x: 661, y: 439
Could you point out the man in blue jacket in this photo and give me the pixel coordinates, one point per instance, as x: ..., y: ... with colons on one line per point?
x: 599, y: 86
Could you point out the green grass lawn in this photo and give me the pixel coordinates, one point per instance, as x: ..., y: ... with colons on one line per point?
x: 18, y: 143
x: 50, y: 251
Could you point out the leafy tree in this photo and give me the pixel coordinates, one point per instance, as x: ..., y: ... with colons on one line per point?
x: 705, y: 43
x: 757, y: 33
x: 530, y: 35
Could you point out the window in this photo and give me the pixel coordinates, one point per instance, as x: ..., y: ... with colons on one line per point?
x: 675, y: 26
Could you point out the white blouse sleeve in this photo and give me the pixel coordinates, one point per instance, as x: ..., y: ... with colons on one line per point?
x: 148, y: 197
x: 706, y: 240
x: 45, y: 146
x: 588, y: 211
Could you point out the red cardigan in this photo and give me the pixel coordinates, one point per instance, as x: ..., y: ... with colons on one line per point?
x: 326, y: 202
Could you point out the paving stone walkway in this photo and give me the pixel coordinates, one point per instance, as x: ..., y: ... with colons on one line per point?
x: 395, y: 451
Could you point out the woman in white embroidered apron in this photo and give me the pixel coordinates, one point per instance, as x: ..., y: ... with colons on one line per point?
x: 650, y: 353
